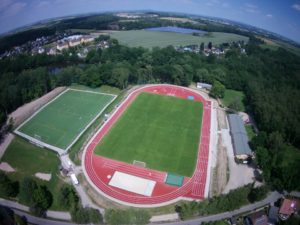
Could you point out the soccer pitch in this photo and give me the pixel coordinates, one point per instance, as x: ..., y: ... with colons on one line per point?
x: 162, y: 131
x: 62, y: 121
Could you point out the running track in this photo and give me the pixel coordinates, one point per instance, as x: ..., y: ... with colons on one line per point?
x: 98, y: 169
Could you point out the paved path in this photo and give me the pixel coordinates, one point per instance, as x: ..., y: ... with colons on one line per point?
x: 240, y: 174
x: 273, y: 197
x: 85, y: 199
x: 40, y: 221
x: 52, y: 214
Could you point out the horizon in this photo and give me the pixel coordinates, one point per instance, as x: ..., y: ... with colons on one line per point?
x: 274, y: 16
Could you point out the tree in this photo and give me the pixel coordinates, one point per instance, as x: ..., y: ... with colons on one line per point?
x: 67, y: 197
x: 210, y: 45
x: 202, y: 75
x: 95, y: 216
x: 86, y: 215
x: 202, y: 46
x: 8, y: 188
x: 120, y: 77
x: 42, y: 197
x: 27, y: 188
x: 218, y: 90
x: 257, y: 194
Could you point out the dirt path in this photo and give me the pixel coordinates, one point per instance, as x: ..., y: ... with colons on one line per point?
x: 4, y: 166
x: 6, y: 141
x: 23, y: 112
x: 222, y: 124
x: 220, y: 171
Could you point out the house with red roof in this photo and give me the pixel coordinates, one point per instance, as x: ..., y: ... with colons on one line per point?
x: 288, y: 208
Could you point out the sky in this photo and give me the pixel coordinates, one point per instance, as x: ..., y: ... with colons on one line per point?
x: 279, y: 16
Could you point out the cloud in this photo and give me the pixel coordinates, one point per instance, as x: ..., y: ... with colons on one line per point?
x: 270, y: 16
x: 14, y: 9
x: 250, y: 8
x: 43, y: 4
x: 296, y: 6
x: 217, y: 3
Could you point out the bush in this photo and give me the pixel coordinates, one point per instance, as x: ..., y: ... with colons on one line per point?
x: 86, y: 215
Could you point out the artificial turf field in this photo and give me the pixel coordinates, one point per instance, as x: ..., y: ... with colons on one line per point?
x: 61, y: 121
x: 162, y: 131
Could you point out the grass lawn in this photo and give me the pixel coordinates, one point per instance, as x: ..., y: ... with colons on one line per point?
x: 162, y: 131
x: 28, y: 159
x: 150, y: 39
x: 60, y: 122
x: 234, y: 96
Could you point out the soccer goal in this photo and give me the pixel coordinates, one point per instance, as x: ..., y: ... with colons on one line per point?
x: 38, y: 141
x: 37, y: 137
x: 139, y: 163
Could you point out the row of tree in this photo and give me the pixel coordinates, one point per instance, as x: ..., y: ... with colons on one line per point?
x: 233, y: 200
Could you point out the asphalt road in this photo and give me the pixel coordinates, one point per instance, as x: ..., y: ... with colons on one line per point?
x: 273, y: 197
x: 40, y: 221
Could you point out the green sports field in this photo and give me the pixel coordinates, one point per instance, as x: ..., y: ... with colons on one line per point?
x: 61, y: 121
x: 150, y: 39
x: 162, y: 131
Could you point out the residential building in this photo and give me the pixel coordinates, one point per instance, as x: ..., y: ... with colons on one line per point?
x: 62, y: 45
x: 273, y: 215
x: 288, y: 208
x: 257, y: 218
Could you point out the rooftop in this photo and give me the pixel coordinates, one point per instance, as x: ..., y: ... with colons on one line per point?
x: 258, y: 218
x: 289, y: 206
x: 239, y: 135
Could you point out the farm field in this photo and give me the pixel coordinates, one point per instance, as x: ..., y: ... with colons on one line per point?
x: 62, y: 121
x: 28, y: 159
x: 150, y: 39
x: 162, y: 131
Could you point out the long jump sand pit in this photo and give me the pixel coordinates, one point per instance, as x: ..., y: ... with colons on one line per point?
x: 132, y: 183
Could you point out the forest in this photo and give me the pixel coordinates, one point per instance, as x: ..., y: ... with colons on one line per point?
x: 270, y: 80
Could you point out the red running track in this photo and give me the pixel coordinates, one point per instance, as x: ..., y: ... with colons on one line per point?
x: 99, y: 169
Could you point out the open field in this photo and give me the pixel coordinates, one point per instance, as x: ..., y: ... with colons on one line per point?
x: 62, y: 121
x: 231, y: 96
x: 150, y: 39
x: 275, y: 44
x: 180, y: 19
x: 173, y: 123
x: 28, y: 159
